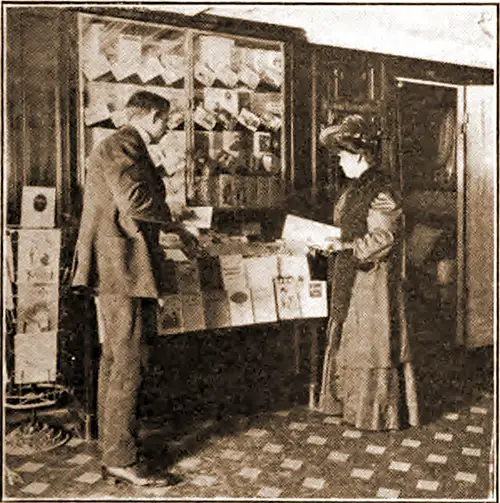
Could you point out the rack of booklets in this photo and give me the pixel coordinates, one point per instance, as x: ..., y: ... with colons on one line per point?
x: 32, y: 296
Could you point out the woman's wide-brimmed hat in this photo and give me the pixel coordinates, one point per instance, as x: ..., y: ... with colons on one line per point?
x: 352, y: 134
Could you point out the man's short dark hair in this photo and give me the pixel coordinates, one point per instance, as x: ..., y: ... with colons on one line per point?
x: 146, y: 101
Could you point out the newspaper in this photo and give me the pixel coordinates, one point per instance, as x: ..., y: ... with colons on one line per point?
x: 308, y: 231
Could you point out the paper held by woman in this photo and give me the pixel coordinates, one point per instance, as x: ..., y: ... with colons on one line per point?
x: 309, y: 231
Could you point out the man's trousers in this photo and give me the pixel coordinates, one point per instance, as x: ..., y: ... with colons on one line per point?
x: 126, y: 322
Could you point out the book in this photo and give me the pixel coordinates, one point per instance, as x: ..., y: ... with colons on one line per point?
x: 214, y: 99
x: 263, y: 304
x: 216, y: 309
x: 193, y: 312
x: 233, y: 272
x: 295, y: 266
x: 210, y: 274
x: 38, y: 207
x: 38, y: 255
x: 150, y: 69
x: 309, y: 232
x: 35, y: 357
x: 313, y: 299
x: 249, y: 77
x: 37, y: 307
x: 204, y: 118
x: 204, y: 74
x: 260, y: 271
x: 96, y: 67
x: 248, y: 119
x: 188, y: 277
x: 287, y: 297
x: 240, y: 306
x: 170, y: 319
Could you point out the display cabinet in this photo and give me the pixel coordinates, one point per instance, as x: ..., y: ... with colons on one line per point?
x: 344, y: 82
x: 225, y: 143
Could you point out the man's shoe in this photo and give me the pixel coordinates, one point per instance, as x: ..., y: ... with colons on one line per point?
x: 130, y: 475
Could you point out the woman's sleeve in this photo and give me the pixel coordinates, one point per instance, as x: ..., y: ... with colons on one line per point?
x: 382, y: 222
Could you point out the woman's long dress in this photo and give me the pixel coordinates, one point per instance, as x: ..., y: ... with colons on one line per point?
x: 367, y: 374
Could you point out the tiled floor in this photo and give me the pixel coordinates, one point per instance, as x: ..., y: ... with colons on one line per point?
x: 292, y: 454
x: 241, y: 446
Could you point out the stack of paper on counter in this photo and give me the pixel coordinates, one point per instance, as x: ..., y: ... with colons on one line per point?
x: 240, y: 306
x: 217, y: 311
x: 260, y: 274
x: 187, y: 277
x: 233, y: 272
x: 287, y: 297
x: 296, y: 266
x: 170, y: 318
x: 193, y: 312
x: 313, y: 299
x: 309, y: 231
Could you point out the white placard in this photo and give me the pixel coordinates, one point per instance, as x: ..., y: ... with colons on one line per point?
x: 38, y: 207
x: 38, y: 255
x: 310, y: 232
x: 35, y: 357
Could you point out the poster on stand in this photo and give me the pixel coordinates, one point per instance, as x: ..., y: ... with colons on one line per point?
x: 38, y: 253
x: 35, y: 357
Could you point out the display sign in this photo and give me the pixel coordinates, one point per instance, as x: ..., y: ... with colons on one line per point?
x: 35, y: 357
x: 38, y: 207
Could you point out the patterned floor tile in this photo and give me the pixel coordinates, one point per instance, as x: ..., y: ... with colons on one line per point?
x: 362, y: 473
x: 297, y: 426
x: 269, y: 492
x: 80, y: 459
x: 89, y: 477
x: 445, y: 437
x: 291, y: 464
x: 452, y: 416
x: 399, y: 466
x: 474, y: 429
x: 428, y: 485
x: 30, y: 467
x: 478, y: 410
x: 204, y: 480
x: 470, y: 451
x: 466, y: 477
x: 250, y: 473
x: 35, y: 488
x: 314, y: 483
x: 376, y: 449
x: 256, y: 433
x: 384, y: 492
x: 232, y: 454
x: 315, y: 440
x: 409, y: 442
x: 332, y: 420
x: 437, y: 458
x: 75, y: 442
x: 352, y: 434
x: 273, y: 448
x: 189, y: 463
x: 338, y: 456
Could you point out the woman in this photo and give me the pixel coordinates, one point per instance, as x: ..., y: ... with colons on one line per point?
x: 367, y: 373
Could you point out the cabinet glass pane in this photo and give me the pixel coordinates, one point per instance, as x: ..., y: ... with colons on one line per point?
x: 238, y: 112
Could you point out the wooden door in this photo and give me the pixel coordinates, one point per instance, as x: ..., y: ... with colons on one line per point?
x: 479, y: 210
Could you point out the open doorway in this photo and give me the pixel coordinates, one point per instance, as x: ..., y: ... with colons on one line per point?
x: 427, y: 144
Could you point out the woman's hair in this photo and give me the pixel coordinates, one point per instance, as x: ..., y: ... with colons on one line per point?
x: 353, y: 134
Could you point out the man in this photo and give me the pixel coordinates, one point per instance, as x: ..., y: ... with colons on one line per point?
x: 118, y: 256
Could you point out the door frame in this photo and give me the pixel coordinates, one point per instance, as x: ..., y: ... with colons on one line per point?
x: 460, y: 174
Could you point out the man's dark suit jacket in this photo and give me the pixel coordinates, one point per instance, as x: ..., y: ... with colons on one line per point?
x: 124, y: 204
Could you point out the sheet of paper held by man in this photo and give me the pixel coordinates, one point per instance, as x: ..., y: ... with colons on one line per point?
x: 308, y: 231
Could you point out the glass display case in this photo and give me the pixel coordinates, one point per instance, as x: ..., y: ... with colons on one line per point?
x: 225, y: 143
